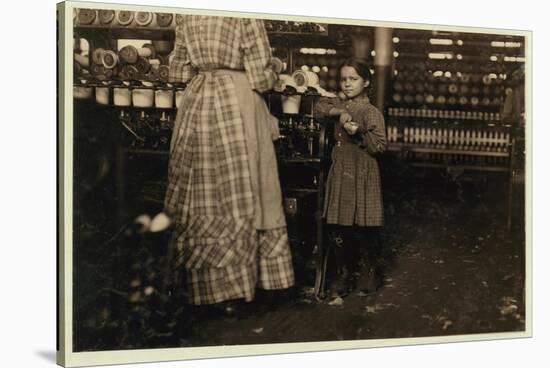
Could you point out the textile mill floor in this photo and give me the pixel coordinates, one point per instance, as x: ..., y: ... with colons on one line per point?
x: 454, y: 268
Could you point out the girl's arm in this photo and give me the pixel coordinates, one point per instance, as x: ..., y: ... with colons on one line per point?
x: 373, y: 132
x: 326, y: 108
x: 322, y: 107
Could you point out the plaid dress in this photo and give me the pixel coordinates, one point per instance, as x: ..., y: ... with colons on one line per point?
x: 353, y: 190
x: 214, y: 193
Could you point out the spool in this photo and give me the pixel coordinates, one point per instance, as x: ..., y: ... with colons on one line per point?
x: 153, y: 74
x: 486, y: 79
x: 109, y: 59
x: 143, y: 97
x: 291, y: 104
x: 155, y: 63
x: 396, y: 97
x: 129, y: 72
x: 106, y: 16
x: 453, y: 88
x: 283, y: 81
x: 86, y: 16
x: 124, y: 17
x: 163, y: 47
x: 128, y: 54
x: 97, y: 55
x: 276, y: 64
x: 122, y: 96
x: 312, y: 79
x: 142, y: 64
x: 102, y: 95
x: 164, y: 19
x: 164, y: 73
x: 100, y: 72
x: 305, y: 78
x: 164, y: 98
x: 300, y: 78
x: 82, y: 92
x: 144, y: 18
x: 97, y: 69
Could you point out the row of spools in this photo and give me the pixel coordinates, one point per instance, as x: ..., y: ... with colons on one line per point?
x: 324, y: 66
x: 149, y: 62
x: 443, y: 86
x: 125, y: 94
x: 124, y: 18
x: 444, y: 100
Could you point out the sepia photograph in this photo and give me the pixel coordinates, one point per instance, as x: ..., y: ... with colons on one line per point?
x: 278, y: 183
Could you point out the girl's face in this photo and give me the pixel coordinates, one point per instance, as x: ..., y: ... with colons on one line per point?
x: 351, y: 83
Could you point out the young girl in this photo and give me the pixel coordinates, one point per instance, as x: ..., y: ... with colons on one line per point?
x: 353, y: 200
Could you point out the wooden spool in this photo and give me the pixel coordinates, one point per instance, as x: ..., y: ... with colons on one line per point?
x: 129, y: 72
x: 164, y: 19
x: 97, y: 55
x: 86, y: 16
x: 109, y: 59
x: 142, y: 65
x: 144, y: 18
x: 163, y: 73
x: 124, y: 17
x: 106, y: 16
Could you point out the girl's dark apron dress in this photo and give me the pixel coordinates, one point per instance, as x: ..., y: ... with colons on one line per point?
x: 353, y: 192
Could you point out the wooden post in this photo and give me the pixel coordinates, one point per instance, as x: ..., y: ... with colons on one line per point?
x: 383, y: 43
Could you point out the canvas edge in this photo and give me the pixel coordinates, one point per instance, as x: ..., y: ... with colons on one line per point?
x: 67, y: 358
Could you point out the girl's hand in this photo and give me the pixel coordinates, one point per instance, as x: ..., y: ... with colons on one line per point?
x: 344, y: 118
x: 351, y: 127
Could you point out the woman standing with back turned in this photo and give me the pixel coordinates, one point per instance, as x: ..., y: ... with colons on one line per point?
x: 223, y: 187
